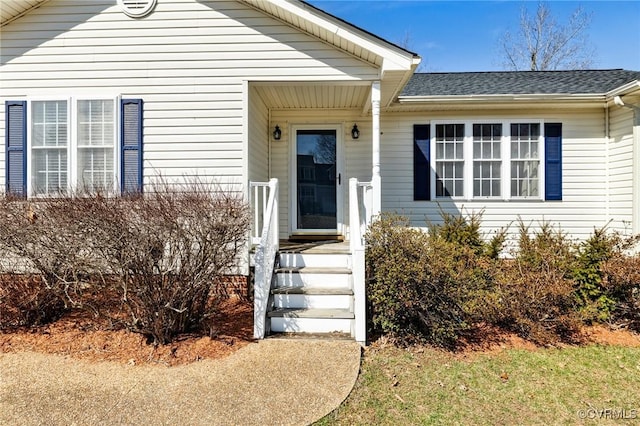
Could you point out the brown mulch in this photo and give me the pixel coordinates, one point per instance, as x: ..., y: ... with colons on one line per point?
x: 493, y: 340
x: 81, y: 335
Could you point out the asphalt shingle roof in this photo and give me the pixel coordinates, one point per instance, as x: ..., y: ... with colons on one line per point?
x: 518, y: 82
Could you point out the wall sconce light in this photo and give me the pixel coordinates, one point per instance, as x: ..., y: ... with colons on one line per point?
x: 355, y: 133
x: 277, y: 133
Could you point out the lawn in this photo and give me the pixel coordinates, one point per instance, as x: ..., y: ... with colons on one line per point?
x: 572, y: 385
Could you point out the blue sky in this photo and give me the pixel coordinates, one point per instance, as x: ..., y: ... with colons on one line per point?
x: 462, y: 35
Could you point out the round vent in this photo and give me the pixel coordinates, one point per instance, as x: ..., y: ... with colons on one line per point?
x: 137, y: 8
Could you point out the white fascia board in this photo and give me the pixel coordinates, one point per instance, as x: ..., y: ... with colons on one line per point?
x: 393, y: 58
x: 624, y: 89
x: 498, y: 98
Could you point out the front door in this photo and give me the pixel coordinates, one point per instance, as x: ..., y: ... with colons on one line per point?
x: 317, y: 181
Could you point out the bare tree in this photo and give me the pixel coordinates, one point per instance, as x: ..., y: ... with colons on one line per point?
x: 541, y: 43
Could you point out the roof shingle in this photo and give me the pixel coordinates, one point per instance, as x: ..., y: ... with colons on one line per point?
x: 518, y: 82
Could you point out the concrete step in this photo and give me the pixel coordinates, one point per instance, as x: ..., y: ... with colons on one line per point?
x: 313, y: 297
x: 311, y: 320
x: 324, y: 260
x: 313, y: 277
x: 314, y: 290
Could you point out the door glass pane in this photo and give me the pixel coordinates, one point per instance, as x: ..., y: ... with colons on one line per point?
x: 316, y: 179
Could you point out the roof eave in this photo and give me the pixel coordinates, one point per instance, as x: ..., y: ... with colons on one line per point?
x: 524, y: 98
x: 624, y: 89
x: 20, y: 9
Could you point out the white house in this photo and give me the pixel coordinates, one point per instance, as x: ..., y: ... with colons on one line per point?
x: 115, y: 92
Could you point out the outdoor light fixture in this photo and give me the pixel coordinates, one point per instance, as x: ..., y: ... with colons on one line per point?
x: 355, y: 133
x: 277, y: 133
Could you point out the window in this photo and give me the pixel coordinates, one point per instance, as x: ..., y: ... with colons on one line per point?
x: 525, y: 160
x: 487, y: 163
x: 65, y: 144
x: 449, y: 160
x: 96, y: 144
x: 497, y: 159
x: 49, y: 146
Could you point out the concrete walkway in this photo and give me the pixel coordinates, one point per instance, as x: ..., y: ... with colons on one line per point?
x: 273, y: 382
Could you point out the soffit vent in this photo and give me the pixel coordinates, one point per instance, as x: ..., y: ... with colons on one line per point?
x: 137, y: 8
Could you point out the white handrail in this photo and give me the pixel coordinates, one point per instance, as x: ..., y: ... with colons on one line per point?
x: 265, y: 235
x: 360, y: 208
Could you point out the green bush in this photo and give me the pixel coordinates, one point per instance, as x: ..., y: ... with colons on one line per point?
x: 594, y: 304
x: 426, y: 286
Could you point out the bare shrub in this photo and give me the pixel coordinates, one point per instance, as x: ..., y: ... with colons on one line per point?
x: 621, y: 280
x: 536, y: 290
x: 27, y: 301
x: 166, y: 251
x: 42, y: 238
x: 169, y: 249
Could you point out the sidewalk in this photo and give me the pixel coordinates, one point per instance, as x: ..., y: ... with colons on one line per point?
x: 273, y: 382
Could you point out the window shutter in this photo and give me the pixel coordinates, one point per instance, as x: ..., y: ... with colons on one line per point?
x: 16, y: 148
x: 421, y: 162
x: 553, y: 161
x: 131, y: 139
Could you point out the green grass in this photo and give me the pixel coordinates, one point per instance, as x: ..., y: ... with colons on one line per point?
x: 545, y: 386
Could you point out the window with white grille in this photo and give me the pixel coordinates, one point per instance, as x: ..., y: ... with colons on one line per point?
x: 73, y: 146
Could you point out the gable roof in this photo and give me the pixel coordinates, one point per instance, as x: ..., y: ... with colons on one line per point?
x: 577, y: 82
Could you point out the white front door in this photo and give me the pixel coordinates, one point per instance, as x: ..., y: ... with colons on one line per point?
x: 316, y: 180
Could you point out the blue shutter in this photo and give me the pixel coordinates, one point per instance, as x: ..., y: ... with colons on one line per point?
x: 421, y: 162
x: 553, y: 161
x: 131, y: 139
x: 16, y: 148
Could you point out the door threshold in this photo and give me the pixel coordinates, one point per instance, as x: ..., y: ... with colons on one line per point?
x: 311, y: 238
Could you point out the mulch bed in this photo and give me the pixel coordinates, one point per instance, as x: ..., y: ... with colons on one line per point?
x: 80, y: 334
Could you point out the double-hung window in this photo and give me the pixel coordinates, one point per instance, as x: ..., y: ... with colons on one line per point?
x: 487, y: 160
x: 449, y: 162
x: 95, y: 165
x: 496, y: 159
x: 63, y: 144
x: 49, y: 159
x: 61, y: 158
x: 525, y: 159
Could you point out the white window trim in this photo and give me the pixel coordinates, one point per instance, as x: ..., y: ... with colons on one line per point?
x: 505, y: 150
x: 72, y: 141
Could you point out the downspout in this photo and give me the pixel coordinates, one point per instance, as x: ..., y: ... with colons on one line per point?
x: 635, y: 215
x: 607, y: 135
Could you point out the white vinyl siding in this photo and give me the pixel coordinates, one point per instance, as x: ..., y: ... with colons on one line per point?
x: 259, y: 138
x: 188, y: 60
x: 621, y: 175
x: 583, y: 149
